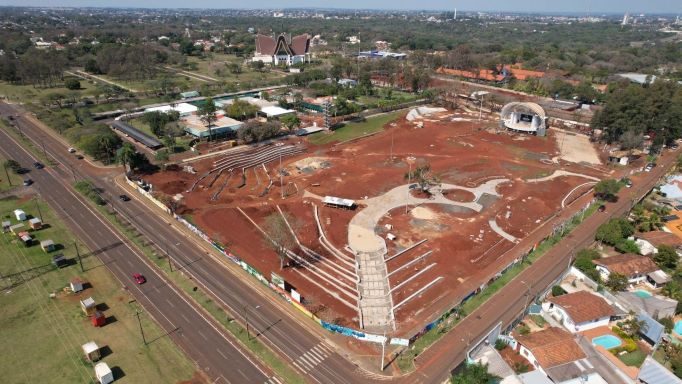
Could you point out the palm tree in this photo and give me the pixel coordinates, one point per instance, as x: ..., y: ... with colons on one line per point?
x: 125, y: 156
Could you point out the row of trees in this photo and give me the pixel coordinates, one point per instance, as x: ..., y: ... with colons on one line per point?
x: 39, y: 68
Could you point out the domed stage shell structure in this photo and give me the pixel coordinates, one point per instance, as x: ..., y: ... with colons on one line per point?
x: 524, y: 117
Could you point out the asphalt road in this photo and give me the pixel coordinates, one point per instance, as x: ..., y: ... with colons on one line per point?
x: 214, y: 353
x: 290, y: 333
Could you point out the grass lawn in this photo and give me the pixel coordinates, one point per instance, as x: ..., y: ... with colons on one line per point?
x: 353, y: 130
x: 42, y: 336
x: 28, y: 93
x: 633, y: 359
x: 207, y: 66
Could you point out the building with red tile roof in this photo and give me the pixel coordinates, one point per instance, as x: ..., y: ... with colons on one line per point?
x: 579, y: 311
x: 551, y: 347
x: 634, y: 267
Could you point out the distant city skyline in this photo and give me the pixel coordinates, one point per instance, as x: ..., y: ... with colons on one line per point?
x: 580, y: 6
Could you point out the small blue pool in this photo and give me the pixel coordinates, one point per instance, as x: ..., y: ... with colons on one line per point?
x: 642, y: 294
x: 678, y: 327
x: 608, y: 341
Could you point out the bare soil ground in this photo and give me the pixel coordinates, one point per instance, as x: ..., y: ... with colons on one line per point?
x: 465, y: 249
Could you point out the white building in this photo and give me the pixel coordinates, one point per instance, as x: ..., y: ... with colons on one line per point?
x: 579, y: 311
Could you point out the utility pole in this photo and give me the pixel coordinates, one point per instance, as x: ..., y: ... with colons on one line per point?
x: 246, y: 319
x: 42, y: 144
x: 7, y: 174
x: 281, y: 176
x: 38, y: 208
x: 137, y: 313
x: 168, y: 256
x: 78, y: 255
x: 383, y: 352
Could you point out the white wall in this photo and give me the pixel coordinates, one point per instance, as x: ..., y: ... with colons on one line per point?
x: 528, y: 355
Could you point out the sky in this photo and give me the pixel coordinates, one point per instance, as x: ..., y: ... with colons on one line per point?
x: 587, y: 6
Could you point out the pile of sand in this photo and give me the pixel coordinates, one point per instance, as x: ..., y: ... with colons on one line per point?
x: 423, y: 213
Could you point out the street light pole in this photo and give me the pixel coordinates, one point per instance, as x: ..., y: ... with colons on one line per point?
x: 78, y: 255
x: 246, y: 319
x: 38, y: 208
x: 137, y: 313
x: 7, y: 174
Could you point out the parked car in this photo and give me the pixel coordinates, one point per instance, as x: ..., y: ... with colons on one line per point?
x: 72, y: 150
x: 79, y: 157
x: 139, y: 279
x: 649, y: 167
x: 27, y: 182
x: 38, y: 165
x: 124, y: 197
x: 602, y: 208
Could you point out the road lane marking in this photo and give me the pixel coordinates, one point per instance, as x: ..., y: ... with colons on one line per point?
x: 184, y: 317
x: 202, y: 335
x: 221, y: 353
x: 169, y: 303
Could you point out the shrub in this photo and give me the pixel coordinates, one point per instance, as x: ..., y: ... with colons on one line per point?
x: 72, y: 84
x: 668, y: 323
x: 539, y: 320
x: 557, y: 291
x: 88, y: 190
x: 523, y: 330
x: 500, y: 344
x: 627, y: 246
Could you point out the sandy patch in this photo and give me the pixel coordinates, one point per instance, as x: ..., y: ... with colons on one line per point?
x: 423, y: 213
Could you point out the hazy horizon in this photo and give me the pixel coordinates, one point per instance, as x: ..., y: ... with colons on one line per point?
x: 524, y: 6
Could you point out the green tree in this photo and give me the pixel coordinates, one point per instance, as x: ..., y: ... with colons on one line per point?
x: 241, y: 110
x: 666, y: 257
x: 72, y: 84
x: 474, y: 374
x: 627, y: 246
x: 632, y: 326
x: 13, y: 165
x: 423, y: 176
x: 125, y: 156
x: 617, y: 282
x: 207, y: 114
x: 291, y: 122
x: 614, y: 231
x: 607, y: 189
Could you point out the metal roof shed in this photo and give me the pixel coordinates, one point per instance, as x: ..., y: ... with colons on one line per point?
x: 20, y: 214
x: 47, y: 245
x: 88, y: 306
x: 91, y: 351
x: 103, y: 373
x: 338, y: 202
x: 35, y: 223
x: 137, y: 135
x: 652, y: 372
x: 274, y: 111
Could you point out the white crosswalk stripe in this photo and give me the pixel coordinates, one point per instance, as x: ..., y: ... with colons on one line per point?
x: 273, y: 380
x: 314, y: 356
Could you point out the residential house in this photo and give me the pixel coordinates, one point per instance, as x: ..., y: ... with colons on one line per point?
x: 549, y: 348
x: 634, y: 267
x: 282, y: 49
x: 579, y: 311
x: 649, y: 242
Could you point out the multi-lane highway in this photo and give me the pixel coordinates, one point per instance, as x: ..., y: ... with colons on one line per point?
x: 214, y: 352
x: 287, y: 332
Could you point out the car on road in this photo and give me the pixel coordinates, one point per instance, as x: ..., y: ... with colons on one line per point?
x: 139, y: 279
x: 649, y: 167
x: 674, y: 146
x: 79, y: 157
x: 627, y: 182
x: 72, y: 150
x: 124, y: 197
x: 602, y: 208
x: 38, y: 165
x: 27, y: 182
x: 22, y: 171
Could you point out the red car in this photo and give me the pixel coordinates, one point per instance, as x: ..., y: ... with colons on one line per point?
x: 139, y: 279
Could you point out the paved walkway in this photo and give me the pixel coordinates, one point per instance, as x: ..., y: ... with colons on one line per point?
x: 376, y: 302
